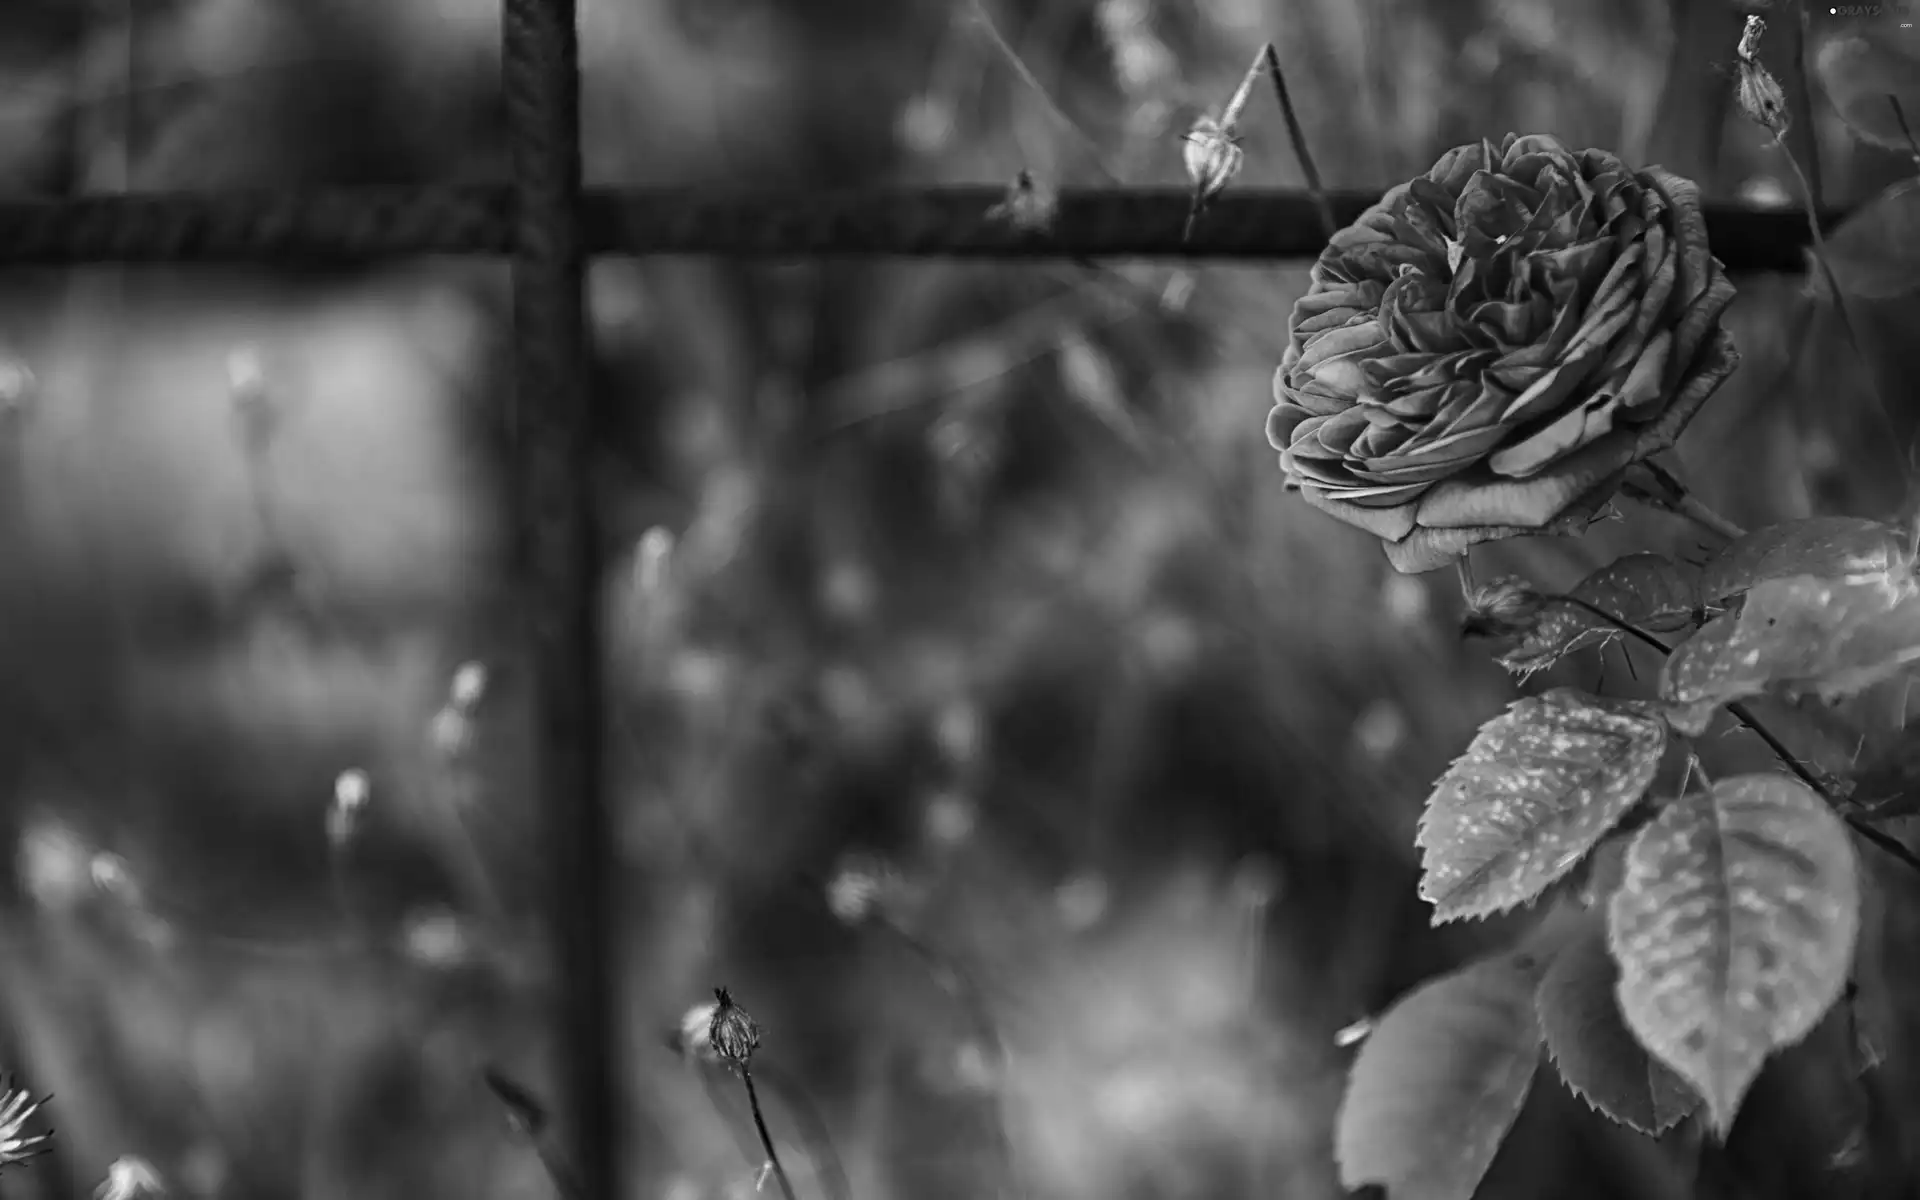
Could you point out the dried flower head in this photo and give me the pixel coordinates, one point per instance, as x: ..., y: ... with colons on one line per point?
x: 16, y: 1109
x: 130, y: 1178
x: 733, y: 1033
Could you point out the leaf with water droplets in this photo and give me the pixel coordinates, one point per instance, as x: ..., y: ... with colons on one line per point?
x: 1797, y: 634
x: 1439, y: 1082
x: 1597, y: 1055
x: 1734, y: 930
x: 1649, y: 592
x: 1829, y: 547
x: 1537, y: 788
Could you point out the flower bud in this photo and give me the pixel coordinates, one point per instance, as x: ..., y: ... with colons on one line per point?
x: 1760, y: 97
x: 1213, y: 157
x: 1505, y: 607
x: 733, y: 1033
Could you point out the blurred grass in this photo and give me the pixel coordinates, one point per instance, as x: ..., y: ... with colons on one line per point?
x: 984, y: 569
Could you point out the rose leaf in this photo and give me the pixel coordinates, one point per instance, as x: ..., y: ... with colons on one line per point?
x: 1734, y: 930
x: 1597, y: 1055
x: 1646, y: 591
x: 1438, y: 1083
x: 1858, y: 72
x: 1800, y: 634
x: 1834, y: 547
x: 1538, y: 787
x: 1875, y: 252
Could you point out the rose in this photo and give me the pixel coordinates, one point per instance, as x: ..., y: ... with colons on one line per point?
x: 1484, y: 352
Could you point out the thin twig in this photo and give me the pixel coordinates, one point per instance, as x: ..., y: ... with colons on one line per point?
x: 1299, y: 140
x: 766, y: 1138
x: 1818, y: 245
x: 1906, y: 130
x: 1033, y: 83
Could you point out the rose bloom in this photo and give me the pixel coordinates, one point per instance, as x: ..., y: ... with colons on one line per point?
x: 1486, y: 349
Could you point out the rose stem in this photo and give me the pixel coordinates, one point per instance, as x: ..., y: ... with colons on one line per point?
x: 766, y: 1138
x: 1694, y: 509
x: 1745, y: 716
x: 1463, y: 567
x: 1299, y: 140
x: 1900, y: 117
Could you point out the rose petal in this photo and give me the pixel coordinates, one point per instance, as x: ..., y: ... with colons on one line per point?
x: 1432, y: 460
x: 1430, y: 549
x: 1388, y: 522
x: 1334, y: 357
x: 1579, y: 426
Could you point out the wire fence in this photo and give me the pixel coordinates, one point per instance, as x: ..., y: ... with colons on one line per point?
x: 549, y: 224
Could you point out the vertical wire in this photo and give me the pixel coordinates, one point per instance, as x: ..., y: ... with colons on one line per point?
x: 551, y: 425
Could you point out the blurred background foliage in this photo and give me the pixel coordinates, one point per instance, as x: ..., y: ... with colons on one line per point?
x: 985, y: 570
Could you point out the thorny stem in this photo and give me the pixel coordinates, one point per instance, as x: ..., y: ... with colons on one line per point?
x: 766, y: 1138
x: 1744, y: 715
x: 1299, y: 140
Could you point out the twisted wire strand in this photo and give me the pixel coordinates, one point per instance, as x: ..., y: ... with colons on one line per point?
x: 372, y: 223
x: 552, y: 425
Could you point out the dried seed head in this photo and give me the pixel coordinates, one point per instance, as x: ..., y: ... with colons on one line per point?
x: 1759, y: 96
x: 1213, y: 157
x: 16, y: 1109
x: 1506, y: 607
x: 733, y: 1033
